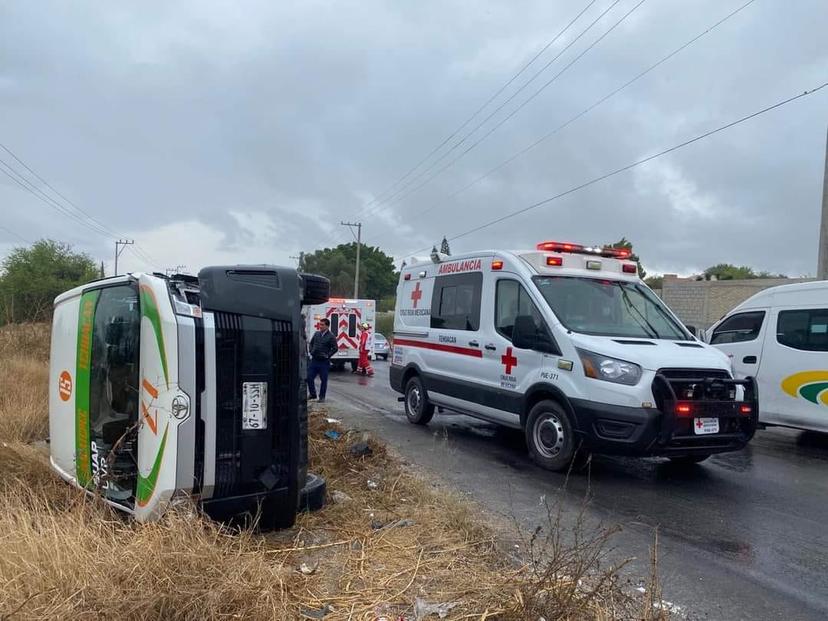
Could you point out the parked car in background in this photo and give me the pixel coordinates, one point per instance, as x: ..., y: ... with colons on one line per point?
x: 780, y: 336
x: 381, y: 346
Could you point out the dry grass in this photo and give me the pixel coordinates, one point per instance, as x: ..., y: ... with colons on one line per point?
x: 64, y: 555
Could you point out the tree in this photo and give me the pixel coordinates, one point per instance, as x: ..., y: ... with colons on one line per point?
x: 444, y: 247
x: 654, y: 282
x: 377, y: 276
x: 32, y: 277
x: 625, y: 244
x: 726, y: 271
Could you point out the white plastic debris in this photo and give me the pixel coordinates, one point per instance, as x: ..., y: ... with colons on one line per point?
x: 340, y: 497
x: 333, y: 421
x: 372, y: 484
x: 308, y: 568
x: 423, y: 609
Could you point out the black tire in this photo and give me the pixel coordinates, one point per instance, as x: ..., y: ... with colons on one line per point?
x: 354, y: 365
x: 689, y: 460
x: 315, y: 289
x: 385, y: 357
x: 550, y: 436
x: 417, y: 408
x: 312, y: 496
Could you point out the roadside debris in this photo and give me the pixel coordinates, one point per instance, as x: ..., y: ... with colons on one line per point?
x: 423, y: 609
x: 333, y: 421
x: 372, y: 484
x: 333, y: 434
x: 309, y: 568
x: 339, y: 497
x: 317, y: 613
x: 361, y: 449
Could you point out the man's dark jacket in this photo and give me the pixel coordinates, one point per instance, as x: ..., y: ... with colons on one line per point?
x: 323, y: 345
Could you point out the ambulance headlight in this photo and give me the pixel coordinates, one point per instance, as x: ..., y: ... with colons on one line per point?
x: 609, y: 369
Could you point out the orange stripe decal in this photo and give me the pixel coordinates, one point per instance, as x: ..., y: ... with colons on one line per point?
x: 153, y: 424
x: 152, y: 390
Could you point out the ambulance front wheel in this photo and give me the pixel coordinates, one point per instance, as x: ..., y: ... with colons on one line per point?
x: 417, y: 408
x: 549, y: 436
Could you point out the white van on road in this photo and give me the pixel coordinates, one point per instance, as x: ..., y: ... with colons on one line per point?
x: 780, y: 336
x: 567, y: 343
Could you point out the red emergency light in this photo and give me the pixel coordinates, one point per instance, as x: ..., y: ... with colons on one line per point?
x: 611, y: 253
x: 497, y: 264
x: 554, y: 261
x: 745, y: 409
x: 629, y: 268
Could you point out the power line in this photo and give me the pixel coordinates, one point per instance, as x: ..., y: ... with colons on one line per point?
x: 378, y: 199
x: 52, y: 188
x: 617, y: 171
x: 521, y: 105
x: 497, y: 93
x: 10, y: 232
x: 24, y: 183
x: 591, y: 107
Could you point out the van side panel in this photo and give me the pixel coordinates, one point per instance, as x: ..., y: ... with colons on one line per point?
x: 62, y: 386
x: 185, y: 468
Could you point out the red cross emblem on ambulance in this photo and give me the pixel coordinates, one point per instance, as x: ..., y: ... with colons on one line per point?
x: 508, y: 360
x: 416, y: 295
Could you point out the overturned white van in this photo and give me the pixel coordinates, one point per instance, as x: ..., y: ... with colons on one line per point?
x: 567, y: 343
x: 183, y: 386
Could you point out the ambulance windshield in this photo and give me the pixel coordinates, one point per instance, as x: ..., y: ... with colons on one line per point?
x: 608, y: 308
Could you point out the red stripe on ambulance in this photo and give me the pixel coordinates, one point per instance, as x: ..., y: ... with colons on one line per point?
x: 452, y: 349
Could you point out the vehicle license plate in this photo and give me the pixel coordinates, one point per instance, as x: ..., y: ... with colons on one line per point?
x: 703, y: 426
x: 254, y: 405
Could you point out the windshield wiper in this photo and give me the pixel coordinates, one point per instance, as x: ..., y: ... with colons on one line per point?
x: 646, y: 325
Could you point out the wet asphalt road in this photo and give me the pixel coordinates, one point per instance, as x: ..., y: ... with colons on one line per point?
x: 742, y: 536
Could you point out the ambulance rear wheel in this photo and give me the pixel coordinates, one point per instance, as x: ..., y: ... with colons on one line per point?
x: 417, y: 408
x: 550, y: 437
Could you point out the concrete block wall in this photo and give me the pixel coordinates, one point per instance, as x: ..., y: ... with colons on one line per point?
x: 702, y: 303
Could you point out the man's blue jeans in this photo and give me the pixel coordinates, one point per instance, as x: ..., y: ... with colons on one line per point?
x: 320, y: 368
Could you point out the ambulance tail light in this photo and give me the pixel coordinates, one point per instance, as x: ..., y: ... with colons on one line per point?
x: 630, y: 268
x: 554, y: 261
x: 745, y: 409
x: 497, y: 264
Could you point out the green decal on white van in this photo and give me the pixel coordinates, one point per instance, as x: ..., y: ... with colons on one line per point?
x: 149, y: 309
x: 86, y: 319
x: 810, y: 385
x: 146, y: 484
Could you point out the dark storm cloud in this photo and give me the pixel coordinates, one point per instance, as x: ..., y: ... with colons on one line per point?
x: 247, y: 131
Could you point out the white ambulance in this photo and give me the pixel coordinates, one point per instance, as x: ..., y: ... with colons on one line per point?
x: 345, y: 317
x: 780, y: 336
x: 183, y: 386
x: 567, y: 343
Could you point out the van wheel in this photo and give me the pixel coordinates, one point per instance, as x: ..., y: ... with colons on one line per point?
x: 417, y: 408
x: 549, y: 436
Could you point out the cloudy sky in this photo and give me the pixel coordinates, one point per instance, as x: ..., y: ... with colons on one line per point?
x: 245, y: 131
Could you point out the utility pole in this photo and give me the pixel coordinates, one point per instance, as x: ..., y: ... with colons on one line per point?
x: 119, y: 248
x: 298, y: 258
x: 358, y: 226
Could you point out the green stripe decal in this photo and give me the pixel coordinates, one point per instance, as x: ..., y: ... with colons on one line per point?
x: 86, y: 321
x: 146, y: 485
x: 811, y: 391
x: 149, y: 309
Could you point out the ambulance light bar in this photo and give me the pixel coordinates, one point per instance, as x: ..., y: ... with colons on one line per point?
x: 613, y: 253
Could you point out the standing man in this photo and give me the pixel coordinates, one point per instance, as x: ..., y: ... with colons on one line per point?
x: 364, y: 364
x: 322, y: 346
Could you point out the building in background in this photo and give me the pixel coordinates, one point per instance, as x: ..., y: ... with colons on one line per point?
x: 701, y: 303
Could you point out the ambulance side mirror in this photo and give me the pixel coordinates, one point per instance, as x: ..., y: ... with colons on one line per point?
x: 692, y: 330
x: 527, y: 335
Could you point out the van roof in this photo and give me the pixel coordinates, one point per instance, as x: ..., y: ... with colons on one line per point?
x: 811, y: 292
x: 77, y: 291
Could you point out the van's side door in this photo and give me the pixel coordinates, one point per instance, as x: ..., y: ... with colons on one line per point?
x: 793, y: 388
x: 454, y: 349
x: 741, y: 337
x: 508, y: 370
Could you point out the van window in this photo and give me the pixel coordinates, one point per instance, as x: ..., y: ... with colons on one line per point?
x: 738, y: 328
x: 113, y: 391
x: 455, y: 303
x: 805, y: 329
x: 352, y: 324
x: 511, y: 300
